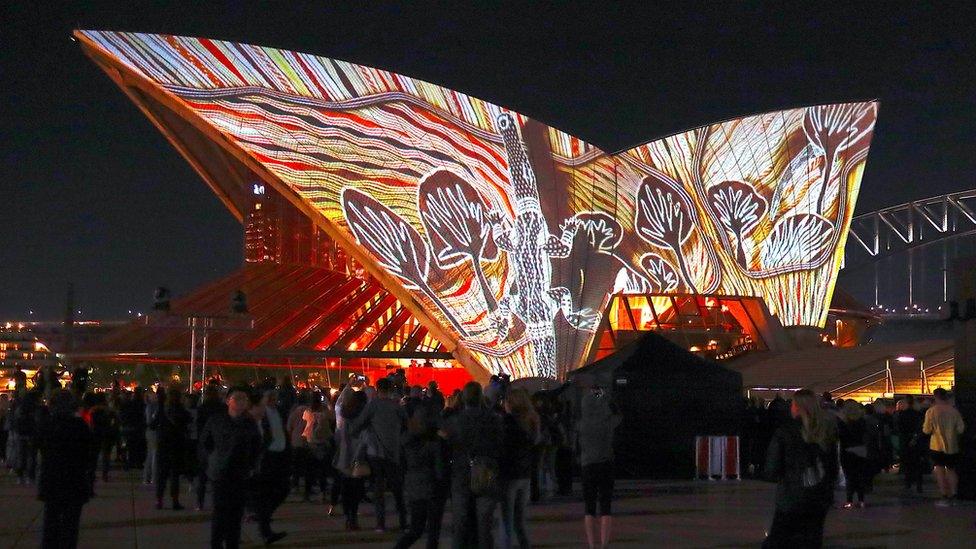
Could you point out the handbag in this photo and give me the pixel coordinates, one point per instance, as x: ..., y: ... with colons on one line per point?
x: 360, y: 469
x: 484, y: 476
x: 360, y: 466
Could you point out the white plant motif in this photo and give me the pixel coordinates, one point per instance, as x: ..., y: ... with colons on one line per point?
x: 831, y: 129
x: 663, y: 218
x: 661, y: 274
x: 739, y: 208
x: 796, y: 240
x: 395, y: 244
x: 457, y: 222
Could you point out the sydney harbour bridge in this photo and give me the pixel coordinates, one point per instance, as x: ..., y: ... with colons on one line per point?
x: 899, y: 259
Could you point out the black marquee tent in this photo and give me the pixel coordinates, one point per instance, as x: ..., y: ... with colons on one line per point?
x: 667, y: 396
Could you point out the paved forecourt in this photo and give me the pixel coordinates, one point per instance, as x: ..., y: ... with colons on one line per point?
x: 647, y: 514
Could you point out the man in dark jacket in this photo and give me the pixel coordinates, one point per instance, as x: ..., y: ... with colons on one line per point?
x: 210, y: 407
x: 232, y: 443
x: 66, y: 477
x: 385, y: 420
x: 475, y: 434
x: 270, y: 486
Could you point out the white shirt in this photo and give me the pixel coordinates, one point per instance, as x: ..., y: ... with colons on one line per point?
x: 277, y: 430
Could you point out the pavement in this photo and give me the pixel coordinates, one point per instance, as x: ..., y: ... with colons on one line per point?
x: 646, y: 514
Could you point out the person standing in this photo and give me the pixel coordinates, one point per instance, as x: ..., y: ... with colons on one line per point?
x: 209, y: 407
x: 4, y: 426
x: 172, y: 441
x: 597, y: 423
x: 520, y: 426
x: 424, y: 471
x: 944, y: 424
x: 350, y: 453
x: 802, y: 459
x: 383, y: 422
x: 271, y: 485
x: 318, y: 438
x: 475, y: 437
x: 150, y: 468
x: 65, y: 484
x: 854, y: 453
x: 26, y: 415
x: 232, y: 444
x: 908, y: 425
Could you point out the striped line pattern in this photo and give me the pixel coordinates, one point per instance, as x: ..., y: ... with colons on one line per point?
x: 322, y: 125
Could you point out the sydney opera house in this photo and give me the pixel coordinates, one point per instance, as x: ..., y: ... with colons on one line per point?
x: 390, y: 219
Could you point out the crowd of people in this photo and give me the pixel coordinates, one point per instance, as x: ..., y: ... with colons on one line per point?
x: 483, y: 451
x: 816, y: 443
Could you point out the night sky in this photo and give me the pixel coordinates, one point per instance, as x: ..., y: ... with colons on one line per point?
x: 92, y: 193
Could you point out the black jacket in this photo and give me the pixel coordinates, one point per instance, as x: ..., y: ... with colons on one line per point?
x: 65, y: 476
x: 233, y: 446
x: 516, y: 458
x: 424, y: 467
x: 473, y: 432
x: 787, y: 459
x: 173, y: 433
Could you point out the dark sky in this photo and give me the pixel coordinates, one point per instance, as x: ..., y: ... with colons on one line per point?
x: 90, y: 192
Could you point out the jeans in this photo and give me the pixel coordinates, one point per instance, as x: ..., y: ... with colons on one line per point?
x: 387, y: 474
x: 272, y: 489
x: 420, y: 512
x: 352, y: 494
x: 61, y: 525
x: 515, y: 503
x: 228, y: 510
x: 26, y: 458
x: 167, y: 469
x: 150, y: 466
x: 472, y: 516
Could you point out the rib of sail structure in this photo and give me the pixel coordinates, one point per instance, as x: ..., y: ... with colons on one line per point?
x: 504, y: 236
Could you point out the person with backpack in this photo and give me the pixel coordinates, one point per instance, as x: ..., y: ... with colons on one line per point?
x: 475, y: 436
x: 382, y: 422
x: 350, y: 457
x: 317, y: 436
x: 802, y: 459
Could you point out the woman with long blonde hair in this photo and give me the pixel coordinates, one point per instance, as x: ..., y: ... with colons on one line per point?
x: 802, y: 459
x: 521, y: 427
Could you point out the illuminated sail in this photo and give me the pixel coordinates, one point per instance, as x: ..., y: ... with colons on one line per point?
x: 505, y: 235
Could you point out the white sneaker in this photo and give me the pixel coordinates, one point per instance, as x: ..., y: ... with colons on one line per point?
x: 944, y: 502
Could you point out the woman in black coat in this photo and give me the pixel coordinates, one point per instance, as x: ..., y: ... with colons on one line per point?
x: 174, y: 420
x: 802, y: 459
x: 65, y: 484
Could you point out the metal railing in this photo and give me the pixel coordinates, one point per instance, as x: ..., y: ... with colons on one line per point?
x: 863, y: 382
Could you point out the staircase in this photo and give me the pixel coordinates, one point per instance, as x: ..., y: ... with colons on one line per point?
x: 904, y: 378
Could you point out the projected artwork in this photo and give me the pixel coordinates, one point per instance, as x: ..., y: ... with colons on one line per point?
x: 509, y: 234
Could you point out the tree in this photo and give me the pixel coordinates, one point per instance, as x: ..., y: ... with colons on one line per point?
x: 664, y: 218
x: 396, y: 245
x: 831, y: 129
x: 739, y: 208
x: 455, y: 217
